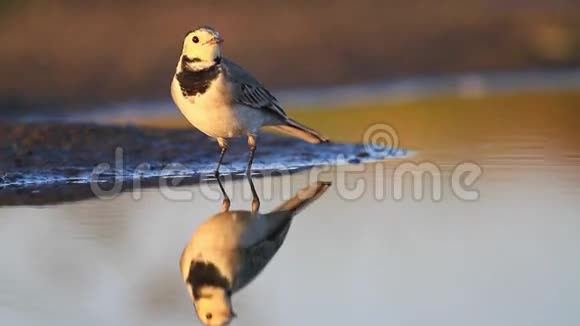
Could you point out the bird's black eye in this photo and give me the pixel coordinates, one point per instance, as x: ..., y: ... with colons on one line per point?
x: 195, y: 39
x: 208, y: 316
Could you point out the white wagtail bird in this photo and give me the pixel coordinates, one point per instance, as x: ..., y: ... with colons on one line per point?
x: 223, y: 100
x: 231, y: 248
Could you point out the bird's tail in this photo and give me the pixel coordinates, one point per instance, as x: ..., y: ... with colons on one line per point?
x: 303, y: 198
x: 296, y: 129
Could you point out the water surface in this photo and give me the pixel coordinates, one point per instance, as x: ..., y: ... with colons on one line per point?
x: 509, y: 258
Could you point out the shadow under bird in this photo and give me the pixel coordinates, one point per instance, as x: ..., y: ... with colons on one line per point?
x: 231, y: 248
x: 223, y: 100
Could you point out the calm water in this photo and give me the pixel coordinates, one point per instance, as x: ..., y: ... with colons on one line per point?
x: 509, y: 258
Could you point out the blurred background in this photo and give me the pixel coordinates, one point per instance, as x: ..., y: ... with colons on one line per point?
x: 68, y: 55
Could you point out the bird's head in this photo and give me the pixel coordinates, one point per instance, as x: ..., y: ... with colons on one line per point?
x: 213, y: 306
x: 201, y: 48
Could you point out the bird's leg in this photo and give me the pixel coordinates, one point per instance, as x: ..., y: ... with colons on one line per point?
x: 255, y: 198
x: 252, y: 146
x: 223, y: 144
x: 223, y: 148
x: 226, y: 200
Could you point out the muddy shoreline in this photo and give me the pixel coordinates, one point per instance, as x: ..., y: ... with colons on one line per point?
x: 44, y: 163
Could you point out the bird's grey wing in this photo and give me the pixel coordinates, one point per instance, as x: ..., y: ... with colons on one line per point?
x: 255, y: 257
x: 249, y: 92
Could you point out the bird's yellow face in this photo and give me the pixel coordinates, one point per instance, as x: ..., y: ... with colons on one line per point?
x: 201, y: 46
x: 213, y: 307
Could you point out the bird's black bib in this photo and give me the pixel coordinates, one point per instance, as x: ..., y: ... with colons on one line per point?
x: 196, y: 82
x: 205, y: 274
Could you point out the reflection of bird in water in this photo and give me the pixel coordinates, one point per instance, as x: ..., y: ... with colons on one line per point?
x: 231, y: 248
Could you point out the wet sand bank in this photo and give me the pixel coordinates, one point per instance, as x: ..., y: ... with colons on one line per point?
x: 44, y: 163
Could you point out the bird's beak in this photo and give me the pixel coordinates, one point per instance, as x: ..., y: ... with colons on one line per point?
x: 216, y: 40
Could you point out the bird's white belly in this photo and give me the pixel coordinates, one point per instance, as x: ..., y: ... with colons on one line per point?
x: 214, y: 114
